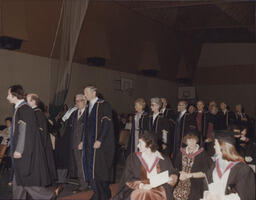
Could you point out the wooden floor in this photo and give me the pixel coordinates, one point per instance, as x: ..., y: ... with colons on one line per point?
x: 87, y: 195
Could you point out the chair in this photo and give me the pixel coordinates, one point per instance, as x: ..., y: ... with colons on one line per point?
x: 123, y: 142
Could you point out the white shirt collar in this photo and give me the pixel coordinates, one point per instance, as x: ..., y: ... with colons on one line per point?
x: 162, y: 110
x: 158, y: 154
x: 155, y: 115
x: 196, y: 149
x: 182, y: 113
x: 82, y: 111
x: 93, y: 101
x: 19, y: 102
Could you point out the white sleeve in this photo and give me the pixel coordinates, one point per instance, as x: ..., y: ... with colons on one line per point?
x: 233, y: 196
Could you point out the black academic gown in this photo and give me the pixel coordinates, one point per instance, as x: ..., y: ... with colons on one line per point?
x: 171, y: 116
x: 64, y: 156
x: 223, y: 121
x: 161, y: 123
x: 205, y: 123
x: 31, y: 169
x: 246, y: 149
x: 131, y: 143
x: 241, y: 180
x: 202, y: 163
x: 132, y: 172
x: 183, y: 125
x: 98, y: 163
x: 42, y: 124
x: 239, y: 121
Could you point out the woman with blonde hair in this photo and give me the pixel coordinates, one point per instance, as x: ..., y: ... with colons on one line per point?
x: 230, y: 178
x: 140, y: 114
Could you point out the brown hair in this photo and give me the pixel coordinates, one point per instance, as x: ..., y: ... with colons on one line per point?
x: 17, y: 91
x: 141, y: 102
x: 150, y: 139
x: 190, y: 136
x: 229, y: 152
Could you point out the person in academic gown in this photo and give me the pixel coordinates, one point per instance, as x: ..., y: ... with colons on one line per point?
x: 98, y: 145
x: 229, y: 178
x: 184, y: 123
x: 42, y: 123
x: 204, y: 124
x: 168, y: 113
x: 193, y: 163
x: 31, y: 173
x: 142, y: 165
x: 225, y: 117
x: 138, y: 119
x: 241, y: 118
x: 158, y: 123
x: 246, y: 147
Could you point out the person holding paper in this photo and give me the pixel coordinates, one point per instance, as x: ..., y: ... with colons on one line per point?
x: 230, y: 178
x: 193, y: 163
x: 148, y: 174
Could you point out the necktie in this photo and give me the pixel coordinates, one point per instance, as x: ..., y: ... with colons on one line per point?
x: 79, y: 114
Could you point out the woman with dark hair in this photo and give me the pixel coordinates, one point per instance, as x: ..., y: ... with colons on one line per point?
x: 143, y: 166
x: 193, y: 163
x: 230, y: 178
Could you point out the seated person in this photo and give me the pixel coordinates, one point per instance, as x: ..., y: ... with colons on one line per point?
x: 246, y: 147
x: 5, y: 134
x: 193, y: 163
x: 230, y: 177
x: 142, y: 165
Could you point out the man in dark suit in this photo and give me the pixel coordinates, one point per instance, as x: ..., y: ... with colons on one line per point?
x: 184, y: 123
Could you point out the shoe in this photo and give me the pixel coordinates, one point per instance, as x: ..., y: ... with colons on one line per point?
x: 80, y: 189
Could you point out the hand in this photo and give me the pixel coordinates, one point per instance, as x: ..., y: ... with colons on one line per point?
x: 244, y: 119
x: 184, y: 175
x: 173, y: 179
x: 146, y: 187
x: 237, y: 136
x: 164, y: 146
x: 17, y: 155
x: 243, y: 138
x: 248, y: 158
x: 208, y: 140
x: 97, y: 144
x: 80, y: 146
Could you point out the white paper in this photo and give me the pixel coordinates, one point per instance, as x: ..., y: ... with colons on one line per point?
x: 253, y: 167
x: 164, y: 136
x: 159, y: 179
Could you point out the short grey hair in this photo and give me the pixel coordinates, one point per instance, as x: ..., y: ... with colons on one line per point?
x: 157, y: 101
x: 80, y: 96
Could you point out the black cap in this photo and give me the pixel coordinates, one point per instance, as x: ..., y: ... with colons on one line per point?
x: 225, y: 135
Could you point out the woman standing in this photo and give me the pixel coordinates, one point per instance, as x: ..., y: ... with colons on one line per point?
x: 230, y: 178
x: 138, y: 119
x: 193, y: 163
x: 158, y: 123
x: 140, y: 167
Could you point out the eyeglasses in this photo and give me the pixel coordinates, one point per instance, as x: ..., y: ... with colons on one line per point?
x: 80, y: 100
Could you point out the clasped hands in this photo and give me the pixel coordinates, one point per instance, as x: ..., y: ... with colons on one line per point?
x: 96, y: 145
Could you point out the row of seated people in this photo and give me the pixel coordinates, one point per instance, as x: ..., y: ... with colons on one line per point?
x: 193, y: 174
